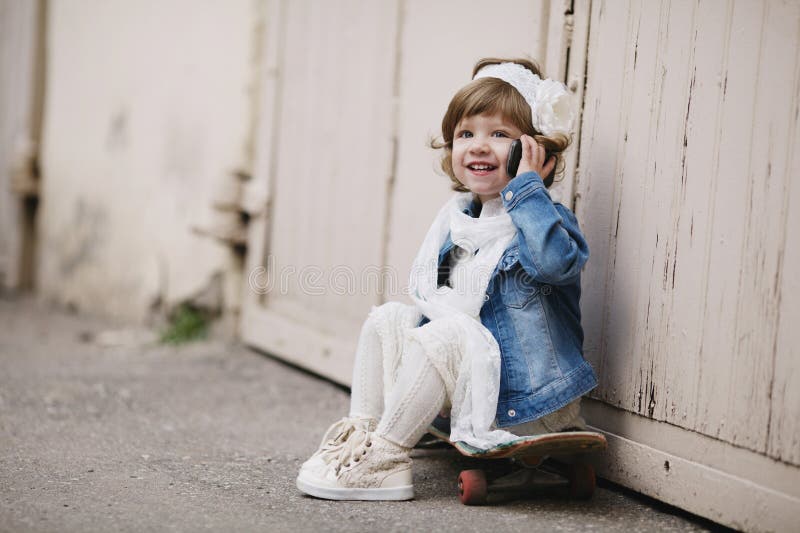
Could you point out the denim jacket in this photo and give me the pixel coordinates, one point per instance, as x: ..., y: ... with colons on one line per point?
x: 532, y: 305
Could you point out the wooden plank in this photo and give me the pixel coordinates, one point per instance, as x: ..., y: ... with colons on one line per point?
x: 686, y: 276
x: 666, y: 355
x: 326, y: 122
x: 768, y: 183
x: 737, y: 354
x: 335, y: 151
x: 783, y: 432
x: 600, y: 188
x: 645, y: 218
x: 723, y: 233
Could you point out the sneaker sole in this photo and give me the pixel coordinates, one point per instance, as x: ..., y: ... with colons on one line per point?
x: 332, y: 493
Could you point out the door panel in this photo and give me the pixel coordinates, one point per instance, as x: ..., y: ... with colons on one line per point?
x: 687, y: 155
x: 324, y: 159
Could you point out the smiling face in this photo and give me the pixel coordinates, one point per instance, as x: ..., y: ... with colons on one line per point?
x: 480, y: 152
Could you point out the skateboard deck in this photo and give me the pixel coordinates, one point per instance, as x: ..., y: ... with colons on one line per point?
x: 567, y: 449
x: 546, y: 445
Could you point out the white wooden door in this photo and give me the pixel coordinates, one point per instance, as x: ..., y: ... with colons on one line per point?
x: 324, y: 161
x: 351, y: 94
x: 689, y: 196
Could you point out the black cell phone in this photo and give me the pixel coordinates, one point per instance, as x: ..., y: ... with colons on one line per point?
x: 515, y: 156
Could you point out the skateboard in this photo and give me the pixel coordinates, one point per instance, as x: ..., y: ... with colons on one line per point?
x: 552, y: 461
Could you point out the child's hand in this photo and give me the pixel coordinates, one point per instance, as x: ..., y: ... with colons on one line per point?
x: 533, y: 158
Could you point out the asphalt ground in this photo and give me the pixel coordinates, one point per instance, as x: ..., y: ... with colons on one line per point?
x: 103, y: 429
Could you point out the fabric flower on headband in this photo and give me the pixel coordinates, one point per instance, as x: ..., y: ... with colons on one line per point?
x: 551, y: 110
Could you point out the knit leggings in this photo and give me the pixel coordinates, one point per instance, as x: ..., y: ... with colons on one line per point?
x: 394, y: 381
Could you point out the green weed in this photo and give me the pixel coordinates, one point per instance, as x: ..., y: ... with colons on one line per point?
x: 186, y: 324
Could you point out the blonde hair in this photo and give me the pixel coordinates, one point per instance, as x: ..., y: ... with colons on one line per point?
x: 493, y: 95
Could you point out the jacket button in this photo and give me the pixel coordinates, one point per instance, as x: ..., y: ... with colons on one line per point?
x: 509, y: 195
x: 512, y: 413
x: 486, y: 298
x: 546, y: 290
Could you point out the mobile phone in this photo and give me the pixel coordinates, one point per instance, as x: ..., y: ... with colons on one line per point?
x: 515, y: 156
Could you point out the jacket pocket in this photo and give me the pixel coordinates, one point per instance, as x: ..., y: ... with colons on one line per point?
x: 517, y: 288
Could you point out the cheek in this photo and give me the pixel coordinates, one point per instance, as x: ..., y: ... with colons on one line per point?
x: 457, y: 155
x: 455, y: 165
x: 502, y: 152
x: 502, y: 157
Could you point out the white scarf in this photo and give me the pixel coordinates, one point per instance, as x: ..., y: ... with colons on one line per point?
x: 474, y: 400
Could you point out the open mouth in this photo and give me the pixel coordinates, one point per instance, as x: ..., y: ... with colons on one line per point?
x: 481, y: 167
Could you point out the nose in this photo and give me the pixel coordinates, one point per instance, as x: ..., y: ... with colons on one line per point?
x: 479, y: 145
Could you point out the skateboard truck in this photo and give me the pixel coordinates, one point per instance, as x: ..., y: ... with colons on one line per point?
x: 577, y: 478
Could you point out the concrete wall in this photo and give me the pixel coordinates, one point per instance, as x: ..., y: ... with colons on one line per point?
x: 147, y: 115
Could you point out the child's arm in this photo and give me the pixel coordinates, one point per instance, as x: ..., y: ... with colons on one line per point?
x: 552, y: 247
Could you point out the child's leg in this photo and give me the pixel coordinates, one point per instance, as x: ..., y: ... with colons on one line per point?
x: 366, y: 398
x: 377, y: 356
x: 417, y: 398
x: 375, y: 465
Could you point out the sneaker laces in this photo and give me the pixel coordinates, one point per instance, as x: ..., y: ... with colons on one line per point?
x: 338, y: 434
x: 350, y: 451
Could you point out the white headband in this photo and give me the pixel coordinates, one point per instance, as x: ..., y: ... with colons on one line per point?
x: 551, y: 110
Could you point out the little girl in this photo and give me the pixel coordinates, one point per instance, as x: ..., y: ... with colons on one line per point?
x: 494, y: 333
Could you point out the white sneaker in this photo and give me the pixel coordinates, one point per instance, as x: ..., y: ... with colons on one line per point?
x: 364, y: 467
x: 334, y: 437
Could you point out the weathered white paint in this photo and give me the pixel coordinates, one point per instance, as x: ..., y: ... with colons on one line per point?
x: 784, y: 422
x: 19, y: 131
x: 687, y: 157
x: 698, y: 169
x: 326, y: 160
x: 147, y: 119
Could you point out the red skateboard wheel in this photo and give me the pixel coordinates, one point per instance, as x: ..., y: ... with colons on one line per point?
x: 472, y: 488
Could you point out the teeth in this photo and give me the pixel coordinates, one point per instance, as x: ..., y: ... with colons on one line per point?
x: 481, y: 167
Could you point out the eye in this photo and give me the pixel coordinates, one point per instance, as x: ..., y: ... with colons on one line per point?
x: 464, y: 134
x: 500, y: 134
